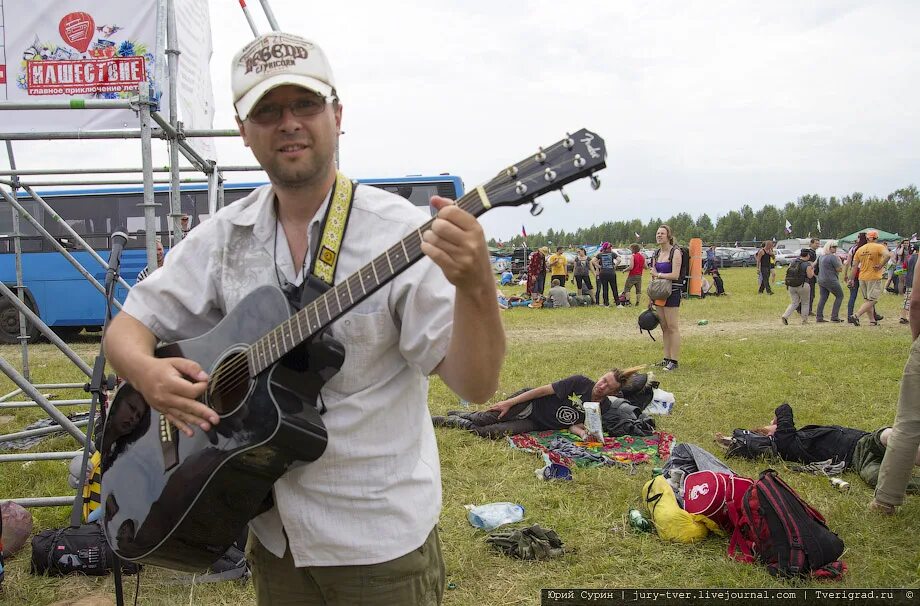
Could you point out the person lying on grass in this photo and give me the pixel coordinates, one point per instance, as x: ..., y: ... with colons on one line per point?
x: 859, y: 451
x: 558, y: 405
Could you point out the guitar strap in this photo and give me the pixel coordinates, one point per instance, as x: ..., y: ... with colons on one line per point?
x: 326, y: 255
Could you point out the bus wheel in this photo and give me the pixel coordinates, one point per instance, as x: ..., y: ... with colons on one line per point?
x: 9, y: 322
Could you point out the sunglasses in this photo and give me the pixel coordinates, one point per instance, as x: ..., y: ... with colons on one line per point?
x: 270, y: 113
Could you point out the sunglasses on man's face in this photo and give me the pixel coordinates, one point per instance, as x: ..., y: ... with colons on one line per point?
x: 270, y: 113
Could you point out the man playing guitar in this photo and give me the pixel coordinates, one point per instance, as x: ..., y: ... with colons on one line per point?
x: 357, y: 526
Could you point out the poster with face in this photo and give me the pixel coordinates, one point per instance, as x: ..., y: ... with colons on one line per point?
x: 69, y: 49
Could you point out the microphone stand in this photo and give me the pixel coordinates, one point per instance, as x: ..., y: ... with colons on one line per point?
x: 98, y: 386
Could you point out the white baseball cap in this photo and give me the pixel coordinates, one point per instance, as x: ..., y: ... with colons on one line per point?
x: 275, y: 59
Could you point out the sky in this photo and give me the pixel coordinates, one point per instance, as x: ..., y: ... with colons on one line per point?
x: 704, y: 106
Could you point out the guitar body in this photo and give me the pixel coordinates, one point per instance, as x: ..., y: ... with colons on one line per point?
x: 180, y: 502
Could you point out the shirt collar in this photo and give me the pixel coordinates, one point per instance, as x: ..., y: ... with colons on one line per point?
x: 260, y: 215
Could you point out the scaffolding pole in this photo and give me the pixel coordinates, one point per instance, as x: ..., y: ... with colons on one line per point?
x: 41, y: 431
x: 33, y: 393
x: 270, y: 16
x: 149, y: 204
x: 57, y: 403
x: 112, y: 134
x: 104, y: 171
x: 42, y: 502
x: 39, y: 456
x: 16, y: 392
x: 20, y: 285
x: 172, y: 63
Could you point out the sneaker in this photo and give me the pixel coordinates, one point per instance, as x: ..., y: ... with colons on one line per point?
x: 820, y: 320
x: 663, y: 362
x: 904, y: 321
x: 671, y: 365
x: 882, y: 508
x: 452, y: 421
x: 785, y: 321
x: 838, y: 320
x: 879, y: 317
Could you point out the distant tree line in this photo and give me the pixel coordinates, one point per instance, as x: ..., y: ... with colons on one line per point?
x: 898, y: 212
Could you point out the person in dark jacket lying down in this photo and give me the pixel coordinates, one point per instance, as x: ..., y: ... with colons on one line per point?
x: 558, y: 405
x: 860, y: 450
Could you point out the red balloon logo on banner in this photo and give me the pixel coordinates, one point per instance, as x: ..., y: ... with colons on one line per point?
x: 77, y: 30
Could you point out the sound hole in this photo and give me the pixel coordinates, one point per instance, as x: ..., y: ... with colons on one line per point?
x: 229, y: 384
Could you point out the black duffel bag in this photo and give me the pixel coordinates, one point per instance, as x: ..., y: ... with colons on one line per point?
x: 82, y: 549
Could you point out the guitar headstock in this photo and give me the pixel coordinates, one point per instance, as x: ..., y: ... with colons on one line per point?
x: 578, y: 155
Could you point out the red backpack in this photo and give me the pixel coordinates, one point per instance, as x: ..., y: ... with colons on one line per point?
x: 774, y: 526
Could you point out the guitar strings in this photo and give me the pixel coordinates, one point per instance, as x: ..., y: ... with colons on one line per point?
x: 237, y: 372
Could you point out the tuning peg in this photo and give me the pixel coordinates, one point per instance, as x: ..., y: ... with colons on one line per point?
x: 549, y: 174
x: 579, y: 161
x: 536, y: 208
x: 521, y: 188
x: 512, y: 171
x: 568, y: 142
x: 595, y: 182
x: 540, y: 157
x: 565, y: 196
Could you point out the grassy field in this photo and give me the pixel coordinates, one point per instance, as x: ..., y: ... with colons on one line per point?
x: 733, y: 373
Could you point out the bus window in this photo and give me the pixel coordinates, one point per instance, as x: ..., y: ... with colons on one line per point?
x: 25, y: 228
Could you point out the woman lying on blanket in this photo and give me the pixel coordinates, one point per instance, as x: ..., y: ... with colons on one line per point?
x: 557, y: 405
x: 856, y: 449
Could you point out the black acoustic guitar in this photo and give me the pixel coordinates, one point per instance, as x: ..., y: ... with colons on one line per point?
x: 180, y: 502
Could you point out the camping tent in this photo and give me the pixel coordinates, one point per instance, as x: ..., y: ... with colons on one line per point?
x: 883, y: 236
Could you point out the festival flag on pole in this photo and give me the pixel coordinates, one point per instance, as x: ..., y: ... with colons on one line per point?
x: 736, y: 243
x: 788, y: 227
x: 523, y: 231
x: 819, y: 226
x: 638, y: 237
x: 500, y: 244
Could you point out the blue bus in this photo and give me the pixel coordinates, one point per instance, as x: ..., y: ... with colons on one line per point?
x: 69, y: 303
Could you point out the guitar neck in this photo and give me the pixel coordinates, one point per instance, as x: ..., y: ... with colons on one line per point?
x: 577, y: 155
x: 335, y: 302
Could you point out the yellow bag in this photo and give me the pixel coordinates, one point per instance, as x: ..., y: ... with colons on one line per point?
x: 672, y: 522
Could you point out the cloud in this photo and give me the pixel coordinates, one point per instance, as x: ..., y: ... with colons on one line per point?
x: 704, y: 106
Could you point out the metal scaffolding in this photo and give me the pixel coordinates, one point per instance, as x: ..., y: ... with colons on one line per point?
x: 151, y: 125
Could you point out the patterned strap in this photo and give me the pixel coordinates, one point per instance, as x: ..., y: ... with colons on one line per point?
x: 327, y: 255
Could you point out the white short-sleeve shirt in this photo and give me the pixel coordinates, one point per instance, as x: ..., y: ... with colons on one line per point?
x: 375, y: 494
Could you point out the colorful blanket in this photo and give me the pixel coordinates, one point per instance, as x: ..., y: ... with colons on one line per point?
x: 568, y: 449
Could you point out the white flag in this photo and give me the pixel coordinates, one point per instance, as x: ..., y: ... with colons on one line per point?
x: 819, y: 226
x: 638, y: 237
x: 788, y: 227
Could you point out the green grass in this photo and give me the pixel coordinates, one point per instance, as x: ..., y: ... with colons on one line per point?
x: 733, y: 373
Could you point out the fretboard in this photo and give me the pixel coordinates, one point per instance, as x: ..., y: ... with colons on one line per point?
x: 332, y: 304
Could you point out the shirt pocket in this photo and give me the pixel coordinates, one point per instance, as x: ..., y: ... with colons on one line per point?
x: 370, y: 340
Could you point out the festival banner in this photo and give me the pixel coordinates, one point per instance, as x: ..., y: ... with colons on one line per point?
x: 194, y: 92
x: 76, y: 49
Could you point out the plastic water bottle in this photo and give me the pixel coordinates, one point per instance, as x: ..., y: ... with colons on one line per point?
x: 639, y: 521
x: 702, y: 323
x: 493, y: 515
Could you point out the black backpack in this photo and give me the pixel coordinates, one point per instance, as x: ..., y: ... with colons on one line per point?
x: 795, y: 275
x: 749, y: 445
x: 776, y: 527
x: 684, y: 265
